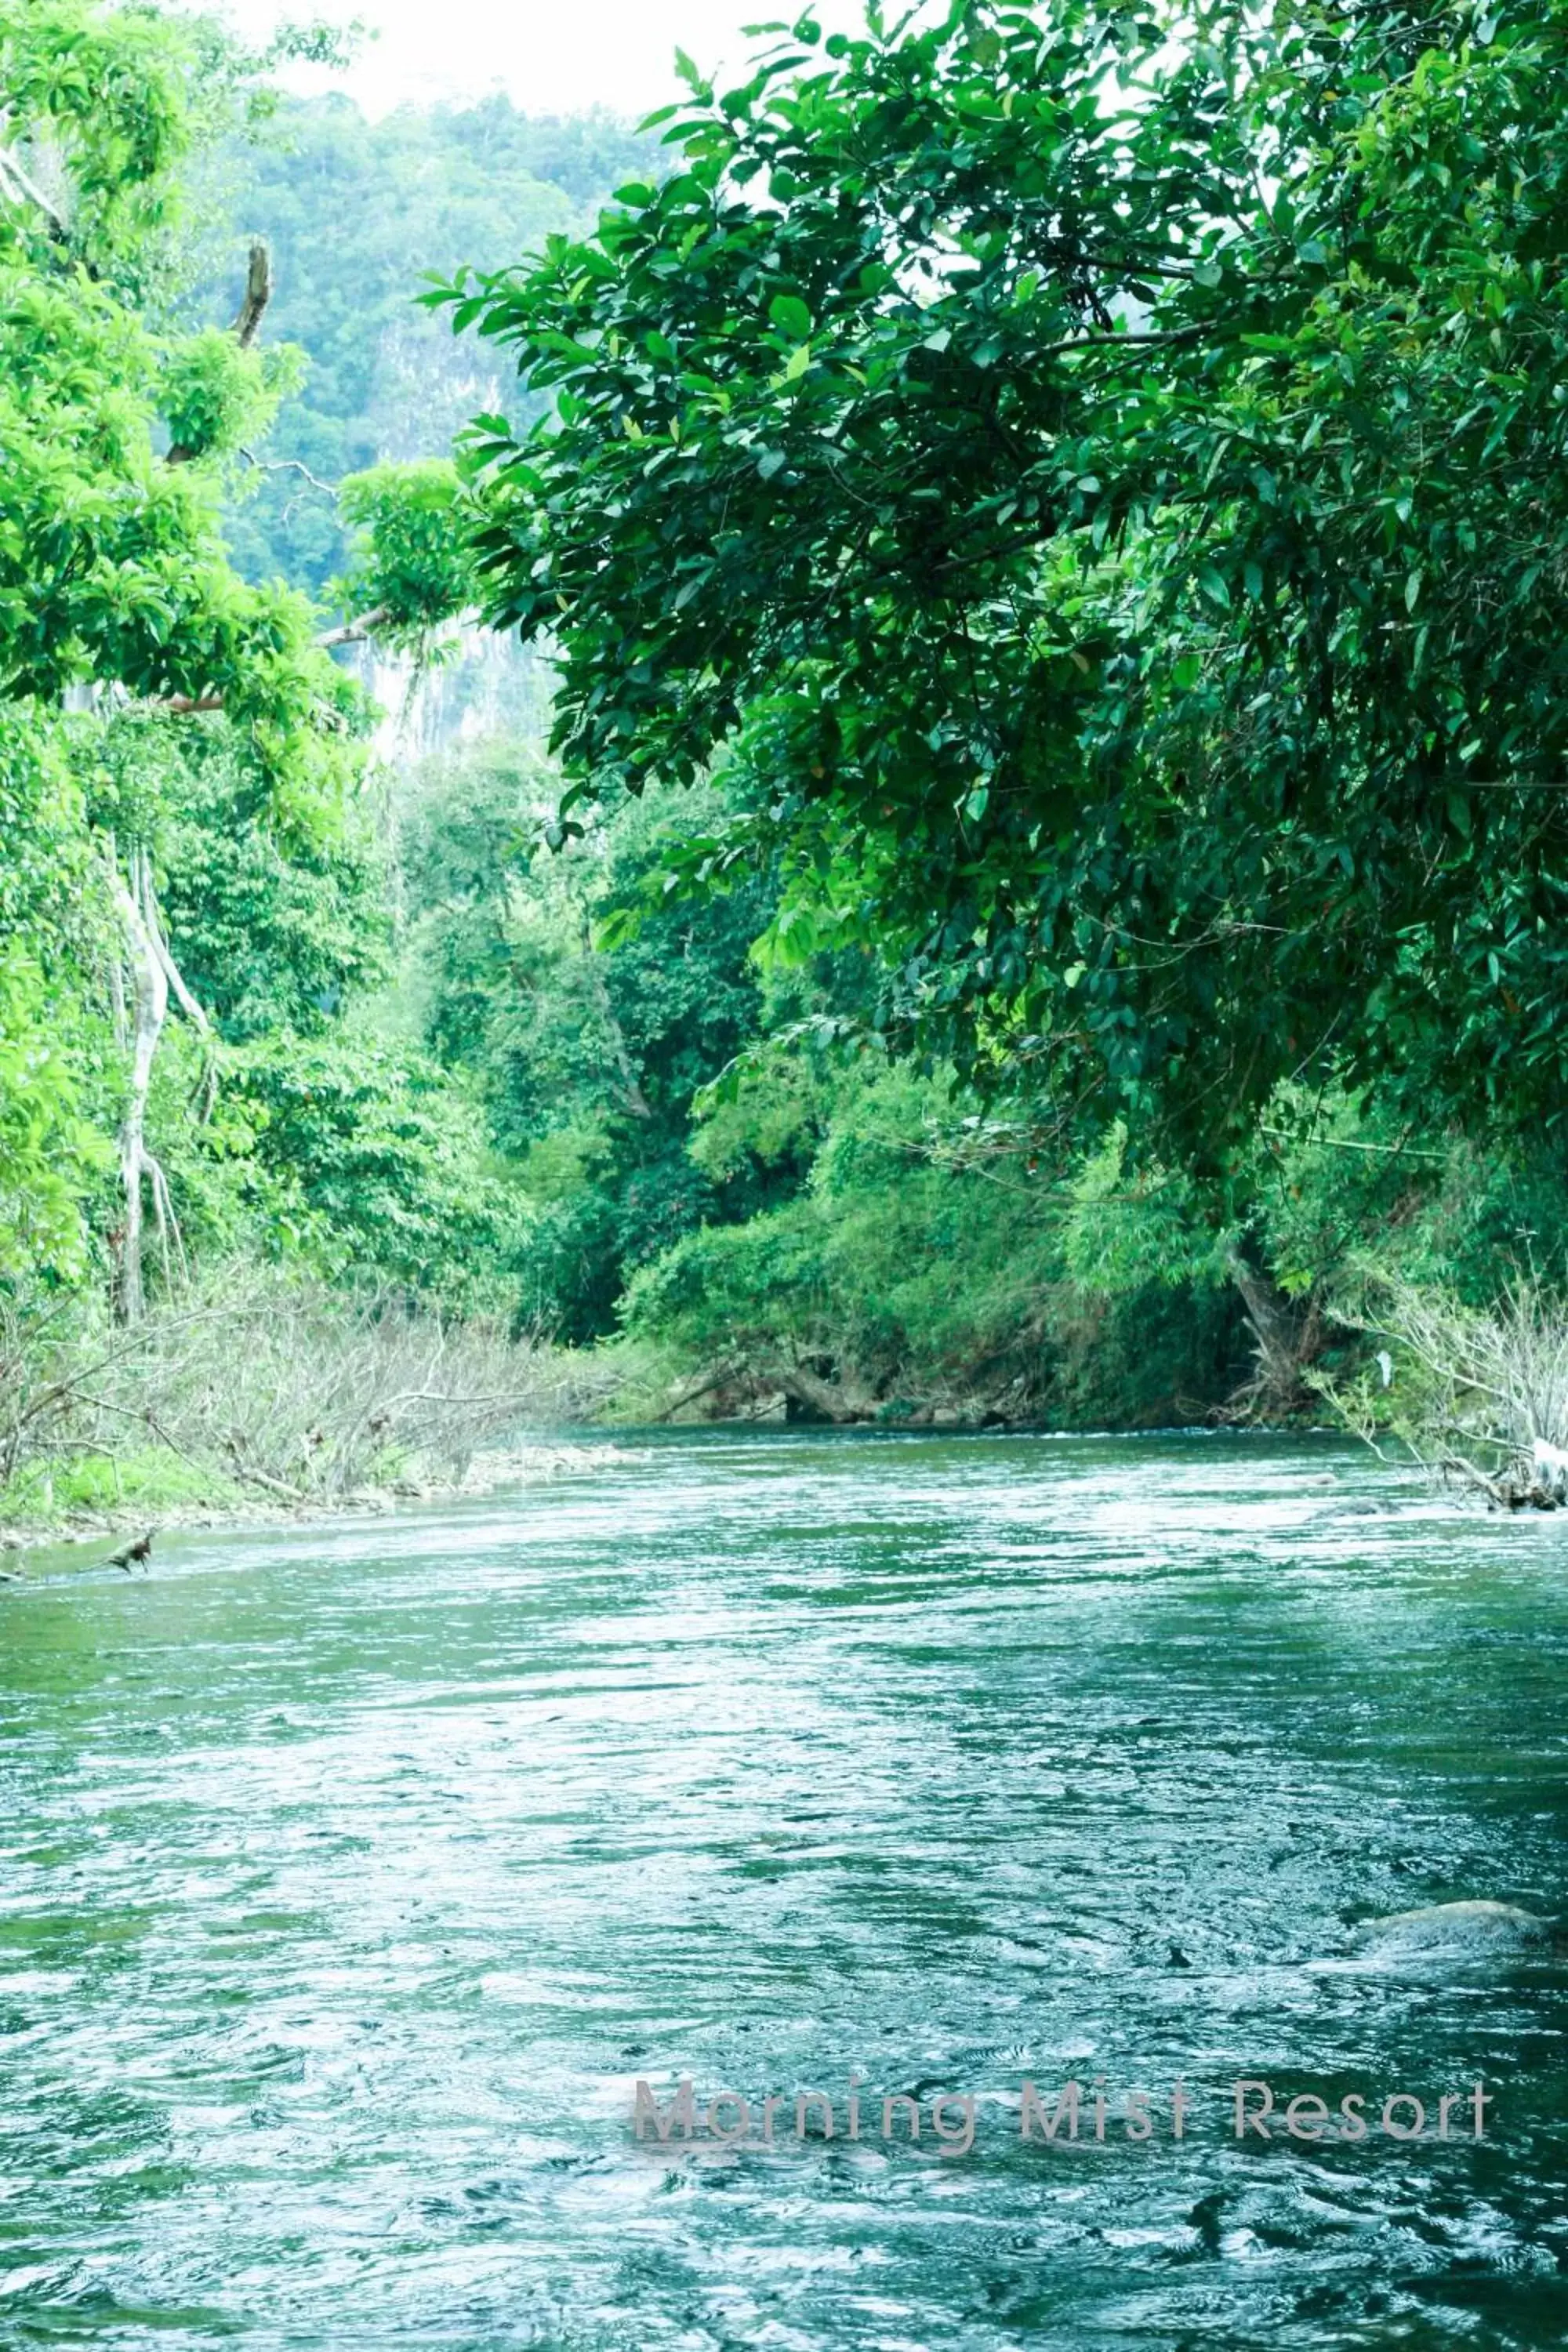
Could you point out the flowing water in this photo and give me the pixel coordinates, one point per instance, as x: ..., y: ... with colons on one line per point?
x: 352, y: 1879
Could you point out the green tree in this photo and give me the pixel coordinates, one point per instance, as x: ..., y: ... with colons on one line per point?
x: 208, y: 717
x: 937, y: 1261
x: 589, y: 1037
x: 1097, y: 474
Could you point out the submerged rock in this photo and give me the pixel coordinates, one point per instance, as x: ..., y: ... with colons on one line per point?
x: 1461, y: 1930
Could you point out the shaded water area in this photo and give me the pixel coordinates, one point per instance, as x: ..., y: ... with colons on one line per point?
x: 351, y: 1878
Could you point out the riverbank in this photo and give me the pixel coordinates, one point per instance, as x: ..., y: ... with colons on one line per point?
x: 72, y: 1529
x: 261, y: 1396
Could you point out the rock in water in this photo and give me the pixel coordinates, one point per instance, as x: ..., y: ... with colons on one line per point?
x: 1457, y: 1931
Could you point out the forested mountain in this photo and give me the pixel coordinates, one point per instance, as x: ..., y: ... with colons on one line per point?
x: 356, y: 215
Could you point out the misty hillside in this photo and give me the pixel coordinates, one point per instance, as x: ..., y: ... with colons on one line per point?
x: 357, y: 215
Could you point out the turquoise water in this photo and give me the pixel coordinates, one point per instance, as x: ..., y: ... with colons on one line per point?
x: 351, y: 1880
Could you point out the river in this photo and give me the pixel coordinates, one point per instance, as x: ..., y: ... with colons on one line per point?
x: 353, y: 1877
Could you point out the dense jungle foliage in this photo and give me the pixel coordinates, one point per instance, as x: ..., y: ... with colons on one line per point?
x: 1045, y: 894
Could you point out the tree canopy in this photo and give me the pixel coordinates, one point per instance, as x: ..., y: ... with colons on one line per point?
x: 1096, y: 472
x: 172, y: 735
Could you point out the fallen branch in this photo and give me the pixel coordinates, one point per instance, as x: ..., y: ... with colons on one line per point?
x: 834, y: 1404
x: 263, y: 1478
x: 702, y: 1387
x: 1477, y: 1478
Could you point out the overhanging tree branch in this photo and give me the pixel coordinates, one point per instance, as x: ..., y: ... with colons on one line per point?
x: 354, y: 632
x: 348, y: 633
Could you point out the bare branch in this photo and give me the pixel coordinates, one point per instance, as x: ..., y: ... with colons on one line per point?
x: 151, y: 996
x: 289, y: 465
x: 1344, y: 1144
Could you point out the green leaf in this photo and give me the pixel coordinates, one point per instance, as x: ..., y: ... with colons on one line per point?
x: 791, y: 315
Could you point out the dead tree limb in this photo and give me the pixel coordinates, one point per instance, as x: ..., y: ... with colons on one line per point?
x: 290, y: 466
x: 256, y: 296
x: 149, y: 1011
x: 262, y: 1478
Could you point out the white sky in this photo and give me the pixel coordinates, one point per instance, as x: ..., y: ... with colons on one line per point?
x: 550, y: 57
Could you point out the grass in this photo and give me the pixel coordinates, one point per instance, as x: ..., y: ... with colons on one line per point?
x: 150, y: 1478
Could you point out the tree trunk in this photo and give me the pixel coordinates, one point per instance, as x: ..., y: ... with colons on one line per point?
x: 154, y: 975
x: 1284, y: 1339
x: 149, y: 1010
x: 256, y: 296
x: 826, y: 1398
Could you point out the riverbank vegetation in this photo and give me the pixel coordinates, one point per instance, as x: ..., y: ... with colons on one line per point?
x: 1021, y: 880
x: 258, y: 1385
